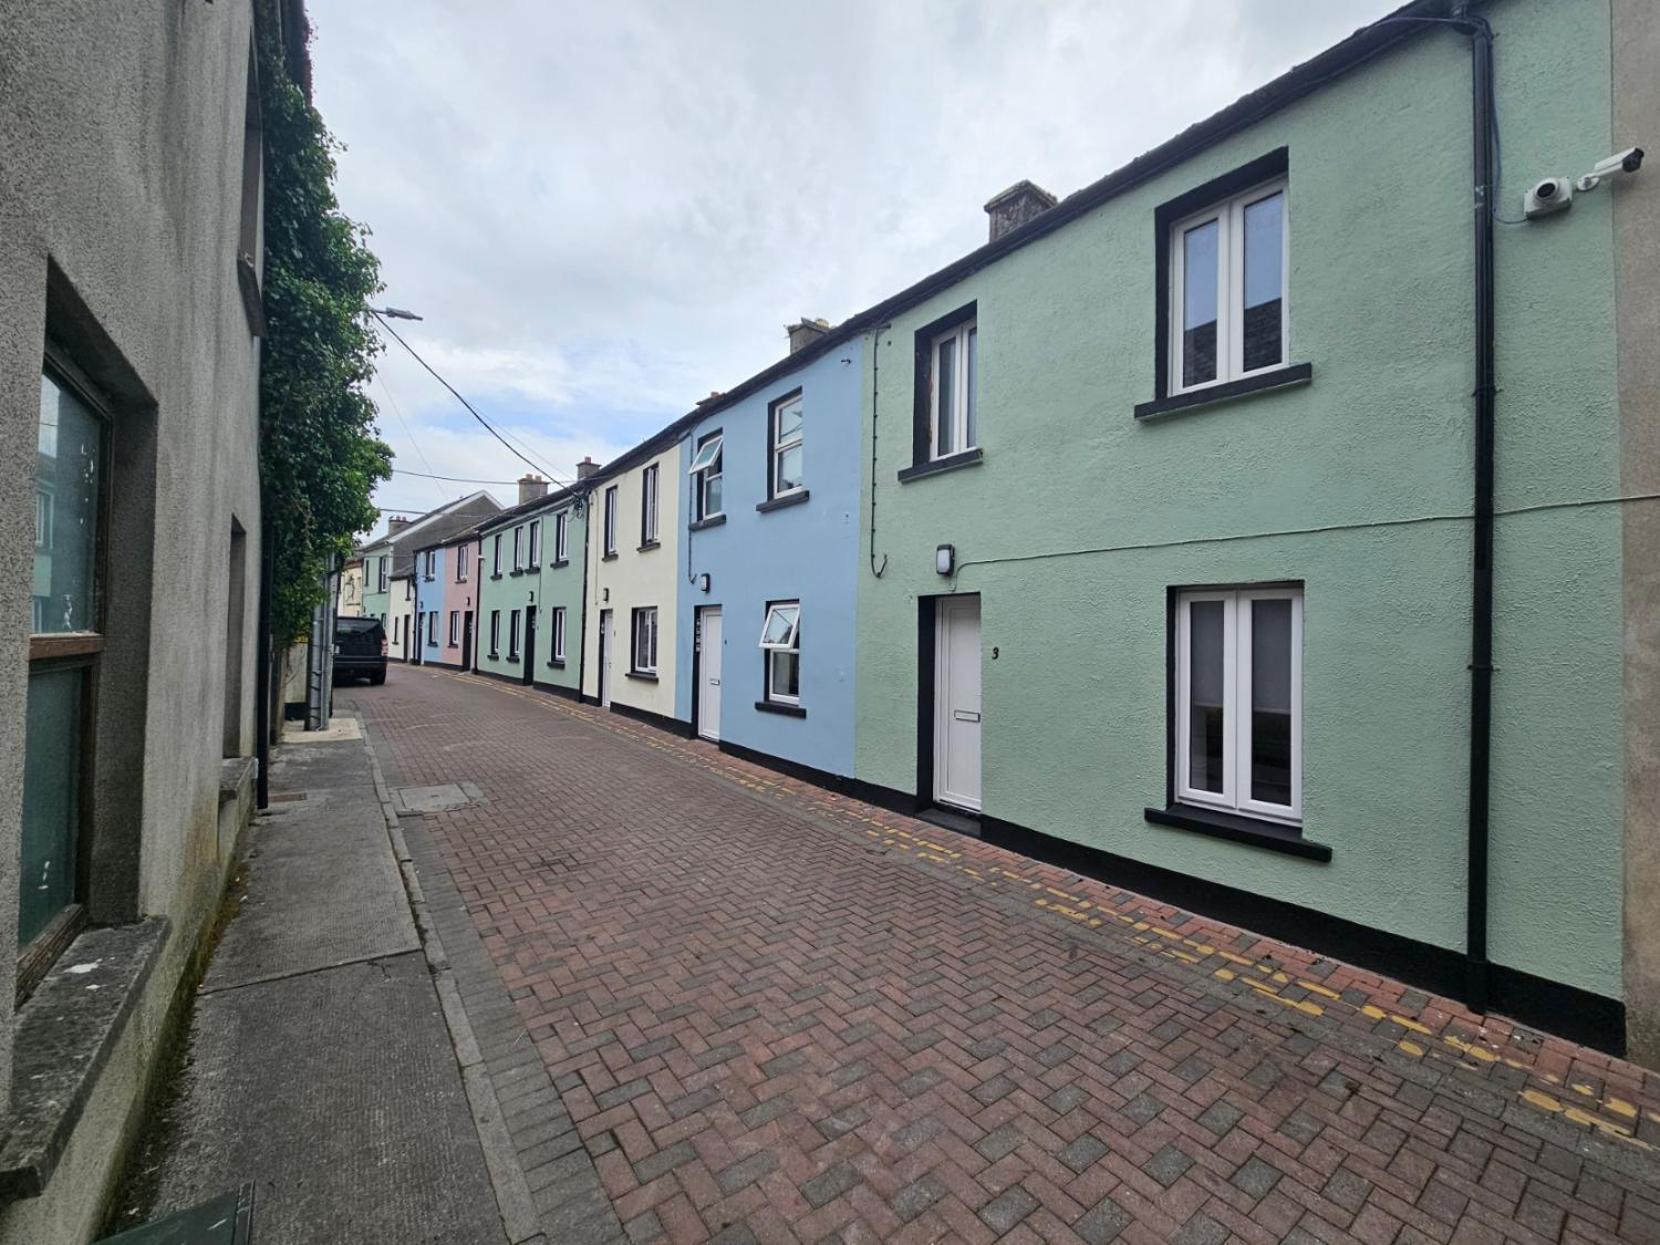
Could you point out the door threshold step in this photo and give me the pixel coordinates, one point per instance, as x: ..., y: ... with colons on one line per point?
x: 950, y: 819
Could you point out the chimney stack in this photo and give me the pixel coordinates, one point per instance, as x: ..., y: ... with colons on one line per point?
x: 1012, y: 208
x: 531, y: 486
x: 586, y: 467
x: 395, y: 524
x: 805, y: 332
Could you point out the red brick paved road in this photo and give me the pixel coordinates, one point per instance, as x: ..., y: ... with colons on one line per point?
x: 779, y: 1015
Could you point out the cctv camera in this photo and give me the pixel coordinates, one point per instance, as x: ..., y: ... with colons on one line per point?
x: 1554, y: 194
x: 1620, y: 164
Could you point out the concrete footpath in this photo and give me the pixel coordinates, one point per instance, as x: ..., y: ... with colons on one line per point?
x: 320, y: 1064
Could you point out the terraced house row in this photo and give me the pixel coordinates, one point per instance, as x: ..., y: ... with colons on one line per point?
x: 1268, y: 526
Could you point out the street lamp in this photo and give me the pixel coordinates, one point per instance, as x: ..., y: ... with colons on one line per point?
x: 395, y: 313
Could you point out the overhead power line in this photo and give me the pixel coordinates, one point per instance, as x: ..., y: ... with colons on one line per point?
x: 471, y: 410
x: 404, y: 471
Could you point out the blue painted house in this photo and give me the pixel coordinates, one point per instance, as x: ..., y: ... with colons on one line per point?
x: 429, y: 604
x: 772, y: 516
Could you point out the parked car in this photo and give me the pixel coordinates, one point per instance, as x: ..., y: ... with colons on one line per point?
x: 360, y: 649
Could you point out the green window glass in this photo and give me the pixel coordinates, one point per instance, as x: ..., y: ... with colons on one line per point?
x: 51, y: 798
x: 67, y: 484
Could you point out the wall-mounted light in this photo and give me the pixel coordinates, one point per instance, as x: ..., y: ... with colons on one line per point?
x: 945, y: 559
x: 703, y: 582
x: 605, y: 594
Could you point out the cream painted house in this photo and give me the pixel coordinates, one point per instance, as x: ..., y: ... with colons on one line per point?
x: 635, y: 575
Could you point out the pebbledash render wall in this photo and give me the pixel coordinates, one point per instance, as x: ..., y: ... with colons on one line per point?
x: 429, y: 603
x: 460, y: 597
x: 1081, y: 517
x: 121, y: 176
x: 639, y: 575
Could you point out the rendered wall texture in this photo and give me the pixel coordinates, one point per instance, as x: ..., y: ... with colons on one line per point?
x: 1381, y: 304
x: 429, y: 599
x: 808, y: 553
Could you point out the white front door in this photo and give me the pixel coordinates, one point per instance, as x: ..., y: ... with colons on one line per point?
x: 708, y: 686
x: 606, y: 643
x: 957, y: 702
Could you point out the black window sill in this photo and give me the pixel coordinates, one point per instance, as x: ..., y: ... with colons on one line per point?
x: 783, y: 500
x: 493, y: 655
x: 62, y: 1039
x: 1216, y: 395
x: 516, y: 572
x: 495, y: 575
x: 714, y: 520
x: 968, y: 458
x: 644, y: 676
x: 608, y: 557
x: 556, y: 665
x: 773, y: 706
x: 558, y: 562
x: 1238, y: 829
x: 650, y: 544
x: 513, y: 658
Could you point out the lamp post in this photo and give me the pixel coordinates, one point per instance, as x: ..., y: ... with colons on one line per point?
x: 395, y: 313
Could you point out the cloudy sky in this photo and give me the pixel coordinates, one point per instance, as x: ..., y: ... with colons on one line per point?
x: 605, y: 211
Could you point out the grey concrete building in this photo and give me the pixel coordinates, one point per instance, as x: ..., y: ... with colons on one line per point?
x: 130, y: 314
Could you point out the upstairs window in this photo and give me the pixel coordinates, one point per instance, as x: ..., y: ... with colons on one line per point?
x: 380, y: 573
x: 462, y: 557
x: 518, y: 548
x: 1238, y: 697
x: 785, y: 421
x: 1229, y: 266
x: 781, y: 647
x: 535, y: 552
x: 495, y: 556
x: 648, y: 506
x: 561, y: 536
x: 953, y: 417
x: 706, y: 477
x: 611, y: 521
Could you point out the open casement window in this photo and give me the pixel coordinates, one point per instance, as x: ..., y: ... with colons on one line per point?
x: 611, y: 519
x: 1238, y: 694
x: 781, y: 647
x: 65, y: 651
x: 953, y: 369
x: 706, y: 475
x: 558, y: 628
x: 785, y: 462
x: 1229, y: 268
x: 561, y: 535
x: 645, y: 641
x: 648, y: 505
x: 534, y: 556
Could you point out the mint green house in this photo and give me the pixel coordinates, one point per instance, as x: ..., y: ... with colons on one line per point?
x: 530, y: 589
x: 1174, y: 572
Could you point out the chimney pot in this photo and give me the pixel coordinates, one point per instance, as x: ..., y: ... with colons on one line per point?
x: 395, y: 524
x: 804, y: 332
x: 1012, y: 208
x: 531, y: 486
x: 586, y: 467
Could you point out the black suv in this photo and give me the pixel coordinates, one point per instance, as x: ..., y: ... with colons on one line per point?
x: 360, y: 649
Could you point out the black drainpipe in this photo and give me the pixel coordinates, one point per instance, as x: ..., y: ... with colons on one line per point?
x: 1476, y: 983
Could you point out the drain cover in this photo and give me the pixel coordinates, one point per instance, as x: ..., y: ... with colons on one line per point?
x: 413, y: 801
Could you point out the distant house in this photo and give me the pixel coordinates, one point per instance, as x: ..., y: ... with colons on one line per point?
x: 394, y: 553
x: 350, y: 601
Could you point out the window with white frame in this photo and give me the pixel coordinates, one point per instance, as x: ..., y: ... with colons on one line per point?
x: 495, y: 633
x: 706, y: 477
x: 1228, y: 273
x: 645, y: 641
x: 432, y: 628
x: 611, y: 520
x: 557, y: 625
x: 535, y: 552
x: 518, y: 548
x: 561, y: 536
x: 1239, y: 677
x: 953, y: 378
x: 785, y: 475
x: 429, y: 564
x: 513, y: 636
x: 648, y: 505
x: 380, y: 573
x: 781, y: 650
x: 462, y: 557
x: 455, y: 628
x: 495, y: 556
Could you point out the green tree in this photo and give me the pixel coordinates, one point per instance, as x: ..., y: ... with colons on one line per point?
x: 320, y: 455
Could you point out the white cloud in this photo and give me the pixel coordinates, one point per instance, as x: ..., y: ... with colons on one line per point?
x: 606, y: 211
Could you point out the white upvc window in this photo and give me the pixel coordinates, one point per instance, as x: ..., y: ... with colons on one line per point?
x: 781, y: 649
x: 1229, y: 270
x: 648, y: 505
x: 495, y: 556
x: 513, y: 636
x: 518, y: 548
x: 706, y: 472
x: 1239, y: 694
x: 611, y: 519
x: 380, y: 573
x: 463, y: 555
x: 495, y: 633
x: 561, y: 535
x: 645, y: 641
x: 455, y: 628
x: 558, y: 628
x: 953, y: 379
x: 432, y: 628
x: 429, y: 564
x: 535, y: 552
x: 785, y: 464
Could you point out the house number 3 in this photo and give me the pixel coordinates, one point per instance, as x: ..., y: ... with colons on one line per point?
x: 994, y: 652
